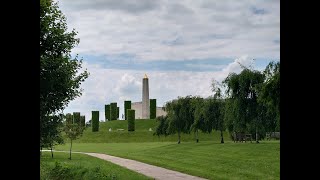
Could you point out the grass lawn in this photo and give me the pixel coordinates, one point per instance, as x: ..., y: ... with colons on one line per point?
x: 208, y: 159
x: 82, y: 167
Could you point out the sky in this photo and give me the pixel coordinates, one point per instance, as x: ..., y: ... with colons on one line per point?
x: 182, y: 45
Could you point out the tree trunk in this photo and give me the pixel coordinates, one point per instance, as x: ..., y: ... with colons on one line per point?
x: 70, y: 149
x: 197, y: 136
x: 257, y: 141
x: 221, y: 134
x: 51, y: 151
x: 179, y: 137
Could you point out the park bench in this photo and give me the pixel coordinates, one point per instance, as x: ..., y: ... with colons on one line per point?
x: 272, y: 135
x: 120, y: 129
x: 240, y: 137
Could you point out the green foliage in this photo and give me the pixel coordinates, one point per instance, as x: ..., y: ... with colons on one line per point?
x: 270, y: 95
x: 60, y: 79
x: 131, y: 119
x: 118, y: 111
x: 242, y: 90
x: 69, y: 118
x: 95, y: 121
x: 83, y: 167
x: 113, y: 111
x: 73, y: 131
x: 127, y: 105
x: 153, y: 108
x: 53, y: 132
x: 107, y: 112
x: 180, y: 116
x: 83, y: 121
x: 162, y: 127
x: 76, y: 117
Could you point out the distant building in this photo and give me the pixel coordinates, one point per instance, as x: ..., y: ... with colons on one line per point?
x: 142, y: 109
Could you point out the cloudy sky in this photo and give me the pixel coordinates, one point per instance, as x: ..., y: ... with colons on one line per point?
x: 180, y: 44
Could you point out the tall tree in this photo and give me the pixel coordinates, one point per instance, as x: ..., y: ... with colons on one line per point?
x: 270, y: 95
x: 180, y: 116
x: 198, y: 114
x: 243, y: 90
x: 60, y: 76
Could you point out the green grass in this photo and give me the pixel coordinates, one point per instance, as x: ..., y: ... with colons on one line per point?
x: 208, y: 159
x: 82, y: 167
x: 141, y: 133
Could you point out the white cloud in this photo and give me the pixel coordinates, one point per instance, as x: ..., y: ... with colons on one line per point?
x: 107, y: 85
x: 175, y: 30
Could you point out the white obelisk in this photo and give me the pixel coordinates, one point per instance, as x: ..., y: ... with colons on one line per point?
x: 145, y: 98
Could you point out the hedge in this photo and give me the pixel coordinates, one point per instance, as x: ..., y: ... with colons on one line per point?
x: 131, y: 119
x: 95, y: 121
x: 127, y: 105
x: 107, y: 112
x: 76, y: 117
x: 113, y: 111
x: 153, y: 108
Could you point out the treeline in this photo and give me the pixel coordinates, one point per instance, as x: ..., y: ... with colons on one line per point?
x: 246, y: 103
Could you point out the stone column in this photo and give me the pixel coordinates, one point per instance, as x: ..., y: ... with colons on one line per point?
x: 145, y: 98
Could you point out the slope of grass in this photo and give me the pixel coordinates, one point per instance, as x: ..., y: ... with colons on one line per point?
x: 82, y: 167
x: 206, y: 159
x: 141, y: 133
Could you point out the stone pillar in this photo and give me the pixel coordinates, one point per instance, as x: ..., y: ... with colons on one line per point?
x: 145, y: 98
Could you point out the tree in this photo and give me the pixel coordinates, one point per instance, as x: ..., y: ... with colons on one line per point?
x: 162, y: 127
x: 270, y: 95
x: 60, y: 76
x: 215, y: 108
x: 242, y: 89
x: 73, y: 131
x: 54, y: 130
x: 198, y: 114
x: 180, y: 116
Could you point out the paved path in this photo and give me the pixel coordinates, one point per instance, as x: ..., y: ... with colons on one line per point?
x: 156, y: 172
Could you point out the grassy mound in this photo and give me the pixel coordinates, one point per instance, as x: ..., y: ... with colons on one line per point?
x: 119, y: 133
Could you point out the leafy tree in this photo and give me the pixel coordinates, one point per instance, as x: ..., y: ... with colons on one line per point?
x: 73, y: 131
x: 53, y: 132
x: 198, y: 114
x: 270, y: 95
x: 180, y: 116
x: 162, y: 127
x: 243, y: 90
x: 60, y: 76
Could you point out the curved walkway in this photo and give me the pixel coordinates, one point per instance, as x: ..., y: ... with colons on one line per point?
x: 155, y: 172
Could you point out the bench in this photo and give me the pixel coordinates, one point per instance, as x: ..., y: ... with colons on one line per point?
x: 272, y: 135
x: 120, y: 129
x: 240, y: 137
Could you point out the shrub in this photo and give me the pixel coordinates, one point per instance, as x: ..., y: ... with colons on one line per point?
x: 95, y: 121
x: 131, y: 119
